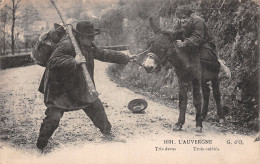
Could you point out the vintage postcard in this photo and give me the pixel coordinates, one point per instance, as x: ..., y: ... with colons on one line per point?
x: 129, y: 81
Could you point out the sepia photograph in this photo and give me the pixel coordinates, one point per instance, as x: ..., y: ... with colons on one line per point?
x: 129, y: 81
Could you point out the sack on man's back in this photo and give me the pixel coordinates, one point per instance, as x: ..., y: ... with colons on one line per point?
x: 45, y: 45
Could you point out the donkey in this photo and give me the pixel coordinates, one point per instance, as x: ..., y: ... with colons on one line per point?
x: 198, y: 71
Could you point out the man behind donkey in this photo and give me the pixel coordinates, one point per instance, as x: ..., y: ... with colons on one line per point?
x: 199, y: 45
x: 63, y: 83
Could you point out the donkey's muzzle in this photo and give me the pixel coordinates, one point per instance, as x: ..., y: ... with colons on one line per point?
x: 149, y: 69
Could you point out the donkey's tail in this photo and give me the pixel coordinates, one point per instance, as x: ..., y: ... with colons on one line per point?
x: 225, y: 68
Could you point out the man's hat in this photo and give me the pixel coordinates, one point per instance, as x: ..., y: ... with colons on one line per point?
x: 137, y: 105
x: 183, y: 11
x: 86, y: 28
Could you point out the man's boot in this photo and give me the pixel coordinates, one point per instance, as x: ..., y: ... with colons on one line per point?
x: 47, y: 129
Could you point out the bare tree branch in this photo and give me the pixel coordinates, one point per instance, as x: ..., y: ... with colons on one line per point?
x: 8, y: 43
x: 2, y: 31
x: 8, y: 7
x: 17, y: 4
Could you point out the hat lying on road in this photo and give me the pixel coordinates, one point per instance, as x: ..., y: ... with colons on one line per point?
x: 86, y: 28
x: 137, y: 105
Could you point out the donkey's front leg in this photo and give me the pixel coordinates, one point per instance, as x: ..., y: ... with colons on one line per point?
x: 197, y: 101
x: 183, y: 89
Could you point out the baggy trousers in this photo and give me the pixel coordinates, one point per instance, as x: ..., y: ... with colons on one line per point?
x: 50, y: 123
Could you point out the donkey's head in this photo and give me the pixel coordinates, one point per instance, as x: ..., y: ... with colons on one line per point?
x: 159, y: 52
x: 163, y: 48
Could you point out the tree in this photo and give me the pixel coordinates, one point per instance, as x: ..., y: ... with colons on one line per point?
x: 29, y: 14
x: 112, y: 23
x: 18, y: 12
x: 4, y: 20
x: 76, y: 10
x: 13, y: 6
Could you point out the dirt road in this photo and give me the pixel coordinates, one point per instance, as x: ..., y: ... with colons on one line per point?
x: 139, y: 138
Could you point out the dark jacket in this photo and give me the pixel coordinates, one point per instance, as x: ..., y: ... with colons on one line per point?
x: 199, y: 43
x: 197, y: 34
x: 63, y: 83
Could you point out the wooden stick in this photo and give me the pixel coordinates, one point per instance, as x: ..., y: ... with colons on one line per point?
x: 93, y: 94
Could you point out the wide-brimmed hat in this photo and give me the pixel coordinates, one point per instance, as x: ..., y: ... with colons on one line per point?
x: 137, y: 105
x: 86, y: 28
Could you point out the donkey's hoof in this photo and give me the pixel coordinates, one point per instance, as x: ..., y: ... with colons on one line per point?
x: 199, y: 129
x: 177, y: 127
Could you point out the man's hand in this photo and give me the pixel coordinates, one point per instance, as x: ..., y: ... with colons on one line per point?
x: 180, y: 44
x: 132, y: 57
x: 80, y: 59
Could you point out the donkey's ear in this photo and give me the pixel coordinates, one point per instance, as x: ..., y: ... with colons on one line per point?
x: 153, y: 26
x: 150, y: 42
